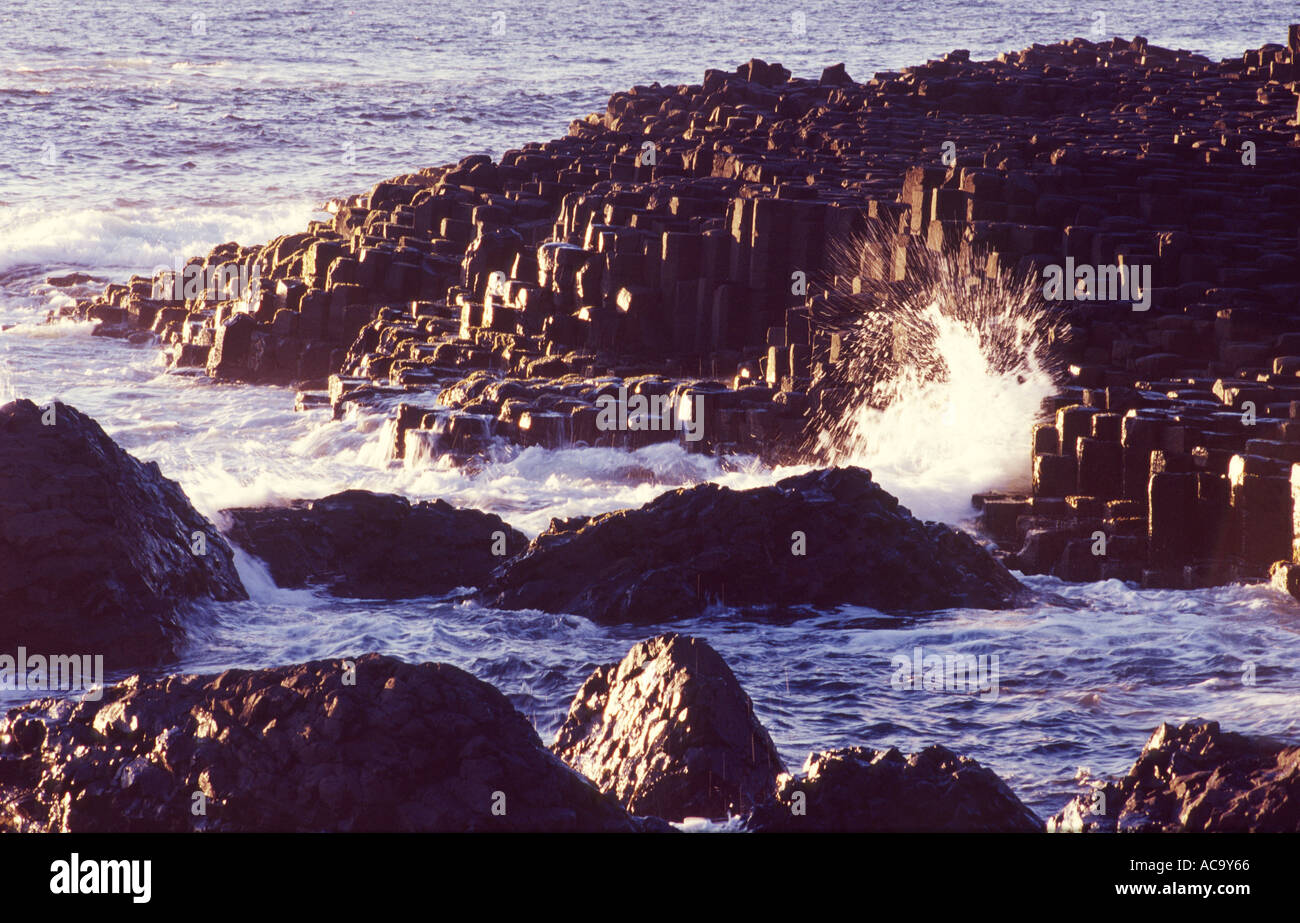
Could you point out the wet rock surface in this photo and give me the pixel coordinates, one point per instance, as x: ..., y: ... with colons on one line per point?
x: 365, y: 544
x: 98, y: 551
x: 297, y: 748
x: 1196, y: 778
x: 819, y: 539
x: 670, y: 732
x: 861, y: 790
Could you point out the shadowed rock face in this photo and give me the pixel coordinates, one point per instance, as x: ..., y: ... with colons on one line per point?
x: 97, y: 549
x: 861, y: 790
x: 1196, y: 778
x: 359, y: 543
x: 406, y: 748
x: 698, y: 546
x: 670, y: 732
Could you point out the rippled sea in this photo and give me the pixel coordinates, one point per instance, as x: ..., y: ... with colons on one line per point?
x: 134, y: 133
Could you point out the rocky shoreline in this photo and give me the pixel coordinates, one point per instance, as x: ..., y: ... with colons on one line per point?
x: 687, y: 246
x: 665, y: 736
x: 700, y: 264
x: 77, y: 504
x: 375, y: 744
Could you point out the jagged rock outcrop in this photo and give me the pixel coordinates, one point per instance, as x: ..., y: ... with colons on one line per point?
x: 359, y: 543
x: 97, y: 549
x: 1196, y: 778
x: 819, y: 539
x: 861, y: 790
x: 400, y: 747
x: 669, y: 731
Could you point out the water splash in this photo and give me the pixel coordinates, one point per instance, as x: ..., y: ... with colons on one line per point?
x: 941, y: 373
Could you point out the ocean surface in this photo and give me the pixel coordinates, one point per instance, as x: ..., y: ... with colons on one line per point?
x: 134, y: 133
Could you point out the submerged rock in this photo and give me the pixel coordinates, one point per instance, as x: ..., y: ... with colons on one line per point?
x: 359, y: 543
x: 385, y: 746
x: 824, y: 538
x: 669, y: 731
x: 98, y: 550
x: 1198, y: 779
x: 861, y: 790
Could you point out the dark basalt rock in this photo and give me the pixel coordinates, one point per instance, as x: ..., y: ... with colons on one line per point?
x: 861, y: 790
x: 231, y: 354
x: 699, y: 546
x: 296, y: 748
x: 97, y: 549
x: 359, y: 543
x: 1196, y: 778
x: 670, y: 732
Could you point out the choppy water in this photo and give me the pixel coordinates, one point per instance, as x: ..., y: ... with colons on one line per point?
x: 127, y: 138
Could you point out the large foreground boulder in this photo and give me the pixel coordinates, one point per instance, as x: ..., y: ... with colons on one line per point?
x: 819, y: 539
x: 98, y: 551
x: 371, y: 745
x: 861, y: 790
x: 1196, y: 778
x: 359, y: 543
x: 670, y: 732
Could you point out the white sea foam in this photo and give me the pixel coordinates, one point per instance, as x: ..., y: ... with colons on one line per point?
x: 944, y: 374
x: 128, y: 240
x: 953, y: 425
